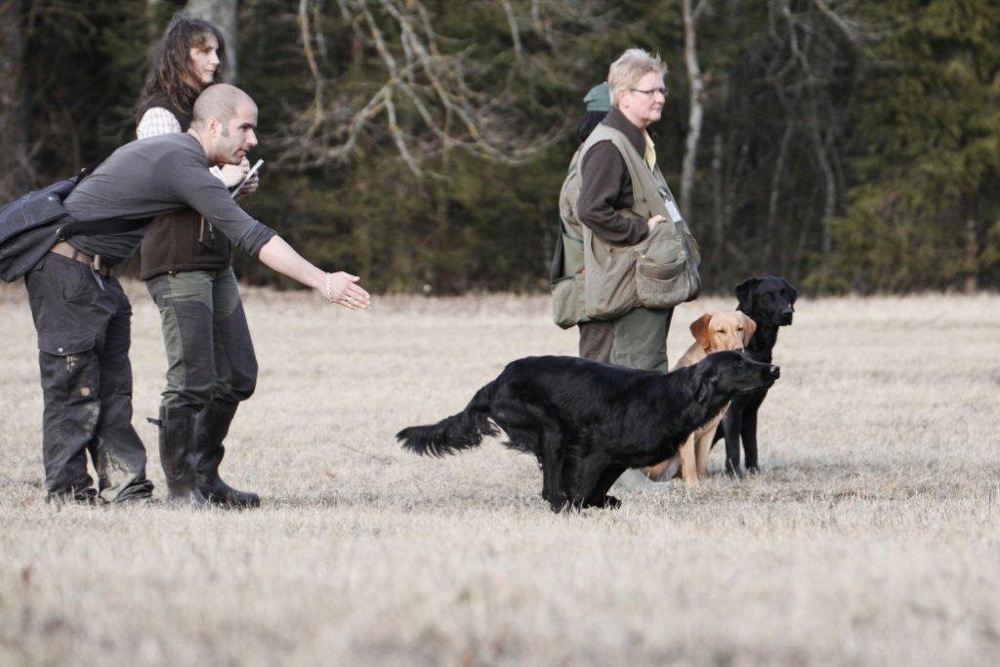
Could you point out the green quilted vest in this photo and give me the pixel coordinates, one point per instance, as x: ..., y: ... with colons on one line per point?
x: 660, y: 271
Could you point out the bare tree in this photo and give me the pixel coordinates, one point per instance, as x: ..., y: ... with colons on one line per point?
x: 697, y: 111
x: 812, y: 43
x: 425, y: 101
x: 15, y: 169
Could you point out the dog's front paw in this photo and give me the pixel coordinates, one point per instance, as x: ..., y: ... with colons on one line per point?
x: 559, y: 505
x: 556, y: 501
x: 609, y: 502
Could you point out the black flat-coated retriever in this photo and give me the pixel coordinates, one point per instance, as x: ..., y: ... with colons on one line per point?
x: 588, y: 422
x: 770, y: 302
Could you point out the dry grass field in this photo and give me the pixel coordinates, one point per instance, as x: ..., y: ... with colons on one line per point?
x: 871, y: 537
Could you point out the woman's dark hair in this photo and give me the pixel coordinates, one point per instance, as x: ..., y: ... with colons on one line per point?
x: 171, y: 73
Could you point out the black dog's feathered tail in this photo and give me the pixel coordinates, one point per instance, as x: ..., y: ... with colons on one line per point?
x: 462, y: 431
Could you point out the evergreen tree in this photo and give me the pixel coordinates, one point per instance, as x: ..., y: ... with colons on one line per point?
x: 926, y: 207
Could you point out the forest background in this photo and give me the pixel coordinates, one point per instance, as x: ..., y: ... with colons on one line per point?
x: 850, y: 146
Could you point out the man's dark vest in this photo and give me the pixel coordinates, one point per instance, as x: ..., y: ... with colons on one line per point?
x: 182, y: 241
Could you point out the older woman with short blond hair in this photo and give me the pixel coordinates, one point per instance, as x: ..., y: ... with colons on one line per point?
x: 623, y: 200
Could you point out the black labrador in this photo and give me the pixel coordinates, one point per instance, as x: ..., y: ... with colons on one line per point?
x: 588, y: 422
x: 770, y: 302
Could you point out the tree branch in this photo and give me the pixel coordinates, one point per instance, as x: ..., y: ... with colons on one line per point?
x: 428, y: 103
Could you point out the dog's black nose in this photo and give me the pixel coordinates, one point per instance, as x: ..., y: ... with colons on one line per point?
x: 775, y: 372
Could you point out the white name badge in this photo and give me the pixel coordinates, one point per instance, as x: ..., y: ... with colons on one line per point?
x: 675, y: 215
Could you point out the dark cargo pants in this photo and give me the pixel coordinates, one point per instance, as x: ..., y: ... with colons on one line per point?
x: 210, y: 356
x: 84, y: 333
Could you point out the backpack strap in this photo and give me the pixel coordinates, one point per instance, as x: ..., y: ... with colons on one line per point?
x: 102, y: 227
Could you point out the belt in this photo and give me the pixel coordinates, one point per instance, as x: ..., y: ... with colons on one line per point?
x: 66, y: 250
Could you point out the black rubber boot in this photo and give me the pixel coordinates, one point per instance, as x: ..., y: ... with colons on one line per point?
x: 177, y: 456
x: 212, y: 426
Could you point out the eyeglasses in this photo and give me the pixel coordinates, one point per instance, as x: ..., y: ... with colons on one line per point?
x: 651, y: 92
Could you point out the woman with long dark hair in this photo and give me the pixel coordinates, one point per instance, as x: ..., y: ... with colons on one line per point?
x: 188, y: 272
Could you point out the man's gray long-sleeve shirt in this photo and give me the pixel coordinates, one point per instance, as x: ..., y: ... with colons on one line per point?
x: 147, y: 178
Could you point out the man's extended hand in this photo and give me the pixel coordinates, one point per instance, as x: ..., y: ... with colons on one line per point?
x: 342, y: 289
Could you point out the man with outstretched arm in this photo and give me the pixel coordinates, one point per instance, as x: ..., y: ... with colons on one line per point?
x: 83, y: 317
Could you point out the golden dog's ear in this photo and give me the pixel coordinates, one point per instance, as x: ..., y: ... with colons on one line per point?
x: 749, y: 327
x: 699, y: 329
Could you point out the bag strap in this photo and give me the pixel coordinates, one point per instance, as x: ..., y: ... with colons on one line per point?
x: 556, y: 268
x: 104, y: 227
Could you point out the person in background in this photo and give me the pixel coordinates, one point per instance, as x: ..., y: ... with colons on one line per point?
x: 595, y: 336
x: 623, y: 202
x: 187, y: 266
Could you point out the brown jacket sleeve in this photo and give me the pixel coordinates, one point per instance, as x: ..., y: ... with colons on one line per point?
x: 605, y: 193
